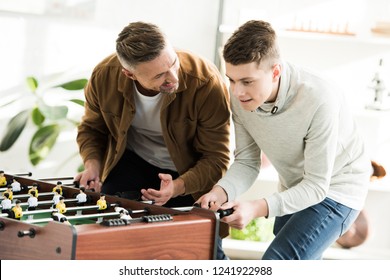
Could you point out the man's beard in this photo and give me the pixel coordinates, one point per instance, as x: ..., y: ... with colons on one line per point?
x: 169, y: 90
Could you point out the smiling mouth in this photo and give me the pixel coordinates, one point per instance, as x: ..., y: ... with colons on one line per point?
x: 245, y: 100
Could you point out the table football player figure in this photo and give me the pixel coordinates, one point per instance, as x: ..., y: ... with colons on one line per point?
x: 56, y: 198
x: 81, y: 197
x: 32, y: 201
x: 123, y: 213
x: 58, y: 187
x: 17, y: 211
x: 3, y: 179
x: 102, y: 203
x: 34, y: 188
x: 6, y: 203
x: 9, y: 191
x: 16, y: 186
x: 61, y: 206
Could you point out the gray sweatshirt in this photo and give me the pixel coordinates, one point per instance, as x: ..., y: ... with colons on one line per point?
x: 311, y: 140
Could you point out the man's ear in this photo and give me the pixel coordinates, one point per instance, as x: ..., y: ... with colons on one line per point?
x: 276, y: 70
x: 128, y: 74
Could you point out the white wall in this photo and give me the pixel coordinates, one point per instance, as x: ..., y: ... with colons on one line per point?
x: 54, y: 40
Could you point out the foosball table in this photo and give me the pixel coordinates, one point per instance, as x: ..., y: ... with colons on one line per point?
x: 87, y: 232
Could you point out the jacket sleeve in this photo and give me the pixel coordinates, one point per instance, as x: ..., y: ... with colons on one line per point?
x: 92, y: 131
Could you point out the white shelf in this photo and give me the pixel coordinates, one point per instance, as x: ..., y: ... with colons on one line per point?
x: 371, y: 39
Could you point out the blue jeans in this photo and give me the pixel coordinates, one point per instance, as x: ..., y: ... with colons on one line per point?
x: 220, y: 253
x: 305, y: 235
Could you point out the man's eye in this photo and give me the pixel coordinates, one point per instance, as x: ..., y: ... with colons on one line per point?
x: 247, y: 82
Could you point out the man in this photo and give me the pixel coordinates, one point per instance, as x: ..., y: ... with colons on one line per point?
x: 302, y: 124
x: 156, y: 123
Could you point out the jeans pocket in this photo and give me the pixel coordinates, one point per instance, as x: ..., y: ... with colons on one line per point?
x: 348, y: 221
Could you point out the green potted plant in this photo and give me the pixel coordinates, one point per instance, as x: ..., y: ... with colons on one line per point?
x: 49, y: 120
x: 259, y: 229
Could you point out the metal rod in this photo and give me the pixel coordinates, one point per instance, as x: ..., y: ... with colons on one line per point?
x: 29, y: 174
x: 56, y: 179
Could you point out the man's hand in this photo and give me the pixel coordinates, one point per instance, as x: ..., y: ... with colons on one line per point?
x: 213, y: 199
x: 89, y: 178
x: 244, y: 212
x: 168, y: 189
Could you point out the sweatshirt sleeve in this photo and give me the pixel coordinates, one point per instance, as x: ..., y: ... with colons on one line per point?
x: 245, y: 169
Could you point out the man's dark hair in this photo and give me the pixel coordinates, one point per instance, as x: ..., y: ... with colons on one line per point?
x: 139, y: 42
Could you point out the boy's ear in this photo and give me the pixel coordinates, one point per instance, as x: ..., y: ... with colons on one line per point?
x: 276, y: 70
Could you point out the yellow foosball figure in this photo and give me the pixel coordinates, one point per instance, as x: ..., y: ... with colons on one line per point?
x: 3, y: 180
x: 34, y: 188
x: 102, y: 203
x: 60, y: 206
x: 58, y: 187
x: 10, y: 192
x: 17, y: 210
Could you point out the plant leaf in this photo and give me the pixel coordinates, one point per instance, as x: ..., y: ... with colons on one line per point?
x: 32, y: 83
x: 42, y: 142
x: 74, y: 85
x: 37, y: 117
x: 54, y: 112
x: 14, y: 128
x: 78, y: 101
x: 81, y: 168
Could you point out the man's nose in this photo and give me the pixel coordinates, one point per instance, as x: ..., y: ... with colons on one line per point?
x: 172, y: 76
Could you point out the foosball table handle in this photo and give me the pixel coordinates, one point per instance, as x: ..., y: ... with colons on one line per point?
x: 144, y: 219
x: 31, y: 232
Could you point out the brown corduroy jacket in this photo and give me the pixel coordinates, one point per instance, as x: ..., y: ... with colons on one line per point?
x: 195, y: 120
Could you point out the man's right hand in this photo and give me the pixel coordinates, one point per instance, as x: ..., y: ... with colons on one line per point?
x: 90, y: 178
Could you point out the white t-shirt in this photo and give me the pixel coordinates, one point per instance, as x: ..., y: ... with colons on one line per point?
x: 16, y: 187
x: 145, y: 135
x: 81, y: 197
x: 32, y: 201
x: 6, y: 204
